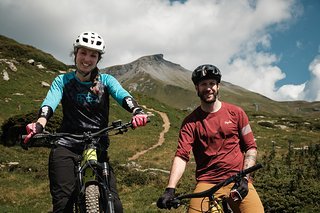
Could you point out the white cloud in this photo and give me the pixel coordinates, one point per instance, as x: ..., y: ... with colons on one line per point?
x: 255, y: 72
x: 291, y: 92
x: 309, y: 91
x: 232, y: 34
x: 312, y: 89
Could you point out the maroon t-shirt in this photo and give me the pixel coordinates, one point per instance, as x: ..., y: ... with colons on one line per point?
x: 218, y: 141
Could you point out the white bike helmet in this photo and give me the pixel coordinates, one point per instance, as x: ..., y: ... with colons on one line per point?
x: 90, y: 40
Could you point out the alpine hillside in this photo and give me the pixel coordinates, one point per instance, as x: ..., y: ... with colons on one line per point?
x: 287, y: 134
x: 170, y: 83
x: 27, y: 72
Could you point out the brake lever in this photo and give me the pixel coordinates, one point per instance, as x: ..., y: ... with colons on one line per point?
x: 175, y: 203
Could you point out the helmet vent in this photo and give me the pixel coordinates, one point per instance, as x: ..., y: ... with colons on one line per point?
x: 90, y: 40
x: 206, y: 71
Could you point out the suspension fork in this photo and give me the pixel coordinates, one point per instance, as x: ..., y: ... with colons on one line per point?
x: 106, y: 187
x: 78, y: 197
x: 79, y: 176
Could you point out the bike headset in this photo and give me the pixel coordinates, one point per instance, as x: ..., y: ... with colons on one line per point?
x: 206, y: 71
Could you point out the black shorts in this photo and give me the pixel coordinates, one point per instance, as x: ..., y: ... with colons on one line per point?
x: 62, y: 176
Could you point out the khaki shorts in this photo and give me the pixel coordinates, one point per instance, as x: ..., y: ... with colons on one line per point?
x: 250, y: 204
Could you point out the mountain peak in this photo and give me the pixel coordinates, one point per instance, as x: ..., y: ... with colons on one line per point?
x: 156, y: 57
x: 157, y: 67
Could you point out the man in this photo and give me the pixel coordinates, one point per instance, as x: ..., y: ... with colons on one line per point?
x: 222, y: 142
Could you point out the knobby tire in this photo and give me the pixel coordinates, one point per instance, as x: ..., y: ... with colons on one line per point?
x: 92, y: 197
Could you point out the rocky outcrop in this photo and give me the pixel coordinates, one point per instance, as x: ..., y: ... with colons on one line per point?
x: 157, y: 68
x: 10, y: 65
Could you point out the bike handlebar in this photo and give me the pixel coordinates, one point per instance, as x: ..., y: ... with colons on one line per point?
x: 115, y: 125
x: 175, y: 202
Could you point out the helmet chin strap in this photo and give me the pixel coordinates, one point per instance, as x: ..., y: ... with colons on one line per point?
x: 83, y: 74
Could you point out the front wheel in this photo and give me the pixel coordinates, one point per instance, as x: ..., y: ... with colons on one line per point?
x: 92, y: 197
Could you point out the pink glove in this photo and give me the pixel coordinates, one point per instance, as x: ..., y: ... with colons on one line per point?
x: 139, y: 120
x: 32, y: 129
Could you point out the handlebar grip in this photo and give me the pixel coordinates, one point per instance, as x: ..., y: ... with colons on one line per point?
x: 38, y: 135
x: 252, y: 169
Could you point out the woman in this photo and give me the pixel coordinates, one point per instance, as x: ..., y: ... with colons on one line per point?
x: 84, y: 95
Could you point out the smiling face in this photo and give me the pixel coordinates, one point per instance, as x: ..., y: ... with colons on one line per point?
x: 208, y: 90
x: 86, y: 60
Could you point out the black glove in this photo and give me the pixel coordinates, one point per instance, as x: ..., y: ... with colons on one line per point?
x: 168, y: 195
x: 32, y: 129
x: 239, y: 190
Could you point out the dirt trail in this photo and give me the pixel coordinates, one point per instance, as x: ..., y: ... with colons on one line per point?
x: 166, y: 127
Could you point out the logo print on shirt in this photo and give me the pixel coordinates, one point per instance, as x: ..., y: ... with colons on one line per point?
x: 228, y: 122
x: 87, y: 98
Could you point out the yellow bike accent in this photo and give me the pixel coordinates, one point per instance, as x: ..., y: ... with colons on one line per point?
x: 216, y: 206
x: 87, y: 156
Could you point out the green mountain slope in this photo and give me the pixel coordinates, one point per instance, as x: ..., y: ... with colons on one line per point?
x: 171, y: 84
x: 287, y: 134
x: 21, y: 82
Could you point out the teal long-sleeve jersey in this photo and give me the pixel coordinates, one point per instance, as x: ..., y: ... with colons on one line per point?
x: 83, y: 109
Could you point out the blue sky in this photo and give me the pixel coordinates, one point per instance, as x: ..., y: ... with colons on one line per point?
x: 271, y: 47
x: 299, y: 44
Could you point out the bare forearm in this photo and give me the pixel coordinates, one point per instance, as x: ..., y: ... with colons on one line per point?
x: 42, y: 121
x: 177, y: 170
x: 250, y: 158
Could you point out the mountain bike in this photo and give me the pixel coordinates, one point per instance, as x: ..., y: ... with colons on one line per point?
x: 92, y: 187
x: 215, y: 204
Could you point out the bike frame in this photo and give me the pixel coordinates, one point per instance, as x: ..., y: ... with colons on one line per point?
x: 89, y: 170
